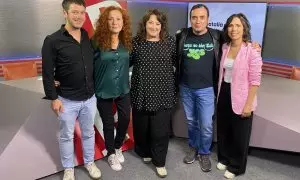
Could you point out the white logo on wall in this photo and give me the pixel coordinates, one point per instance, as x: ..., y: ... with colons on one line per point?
x: 216, y: 25
x: 219, y: 12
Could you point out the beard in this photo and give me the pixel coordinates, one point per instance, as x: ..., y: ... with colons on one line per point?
x: 74, y: 26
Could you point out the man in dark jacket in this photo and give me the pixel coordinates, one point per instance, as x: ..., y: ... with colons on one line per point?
x: 199, y: 54
x: 199, y: 51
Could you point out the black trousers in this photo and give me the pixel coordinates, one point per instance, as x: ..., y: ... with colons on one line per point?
x: 233, y: 133
x: 151, y: 134
x: 105, y: 110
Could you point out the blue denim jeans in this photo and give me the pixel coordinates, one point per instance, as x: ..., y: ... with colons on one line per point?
x: 85, y: 112
x: 199, y: 108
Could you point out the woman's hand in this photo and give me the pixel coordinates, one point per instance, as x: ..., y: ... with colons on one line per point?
x: 247, y: 111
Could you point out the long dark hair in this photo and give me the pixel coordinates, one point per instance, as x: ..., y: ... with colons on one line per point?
x: 161, y: 17
x: 246, y: 27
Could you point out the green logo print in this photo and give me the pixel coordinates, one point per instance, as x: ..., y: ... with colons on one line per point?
x: 196, y: 53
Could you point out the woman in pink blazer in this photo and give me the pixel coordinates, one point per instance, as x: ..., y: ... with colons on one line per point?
x: 239, y: 79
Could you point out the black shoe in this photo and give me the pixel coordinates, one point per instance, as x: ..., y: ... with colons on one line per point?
x: 205, y: 163
x: 190, y: 156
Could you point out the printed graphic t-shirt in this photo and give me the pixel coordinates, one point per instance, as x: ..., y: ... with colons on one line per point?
x: 198, y: 61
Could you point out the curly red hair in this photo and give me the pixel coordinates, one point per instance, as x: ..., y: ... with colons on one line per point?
x: 103, y: 35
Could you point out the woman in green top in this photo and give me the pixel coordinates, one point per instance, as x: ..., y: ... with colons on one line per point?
x: 112, y: 43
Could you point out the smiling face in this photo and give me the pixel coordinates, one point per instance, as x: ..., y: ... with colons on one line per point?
x: 153, y: 27
x: 236, y: 29
x: 115, y: 21
x: 75, y: 16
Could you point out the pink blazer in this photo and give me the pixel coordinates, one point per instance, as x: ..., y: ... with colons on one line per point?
x: 246, y: 71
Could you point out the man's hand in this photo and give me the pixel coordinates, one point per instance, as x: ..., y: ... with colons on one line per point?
x: 57, y: 106
x: 56, y: 83
x: 256, y: 46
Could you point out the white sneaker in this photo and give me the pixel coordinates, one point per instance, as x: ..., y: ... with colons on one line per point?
x: 161, y: 172
x: 147, y: 160
x: 69, y: 174
x: 221, y: 166
x: 229, y: 175
x: 119, y: 155
x: 114, y: 162
x: 94, y: 172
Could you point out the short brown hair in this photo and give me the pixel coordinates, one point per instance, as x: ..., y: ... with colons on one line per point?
x: 161, y: 17
x: 246, y: 26
x: 66, y: 3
